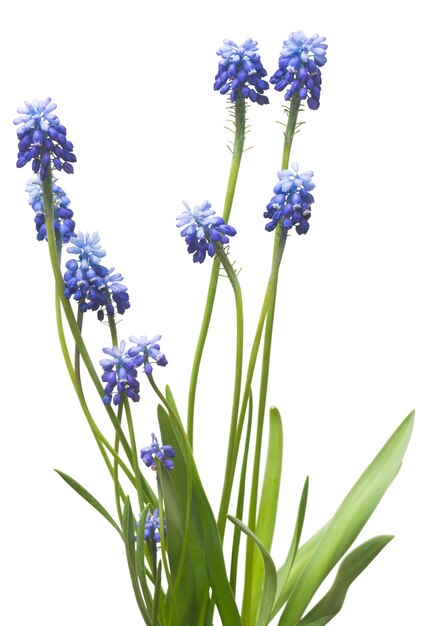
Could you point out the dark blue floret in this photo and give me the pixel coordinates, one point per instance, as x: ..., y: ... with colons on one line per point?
x: 155, y: 452
x: 291, y: 204
x: 203, y: 230
x: 120, y: 375
x: 93, y: 285
x: 299, y: 68
x: 43, y: 139
x: 241, y: 72
x: 152, y: 527
x: 63, y: 223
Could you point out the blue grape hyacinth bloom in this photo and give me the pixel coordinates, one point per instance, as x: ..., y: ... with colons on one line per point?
x: 120, y: 374
x: 63, y: 223
x: 291, y: 204
x: 149, y: 349
x: 93, y: 285
x: 299, y: 68
x: 165, y: 454
x: 241, y: 72
x: 203, y: 230
x: 43, y: 139
x: 152, y: 527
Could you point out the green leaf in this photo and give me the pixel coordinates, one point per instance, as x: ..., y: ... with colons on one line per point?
x: 265, y: 524
x: 129, y: 530
x: 345, y: 525
x: 351, y: 567
x: 90, y: 499
x: 288, y: 564
x: 267, y: 510
x: 270, y: 575
x: 204, y: 565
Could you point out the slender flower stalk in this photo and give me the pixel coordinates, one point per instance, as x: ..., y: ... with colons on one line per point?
x: 238, y: 146
x: 249, y: 601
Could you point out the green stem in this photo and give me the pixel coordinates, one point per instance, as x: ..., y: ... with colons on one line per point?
x: 135, y: 456
x: 239, y: 354
x: 238, y: 146
x: 100, y: 439
x: 66, y: 306
x: 231, y: 463
x: 240, y: 501
x: 248, y: 612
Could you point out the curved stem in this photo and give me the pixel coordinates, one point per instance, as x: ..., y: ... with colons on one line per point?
x: 238, y: 146
x: 100, y: 439
x: 238, y: 360
x: 231, y: 463
x: 66, y: 306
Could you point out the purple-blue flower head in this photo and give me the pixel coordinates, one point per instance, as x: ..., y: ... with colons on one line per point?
x: 291, y: 204
x: 43, y: 139
x: 93, y: 285
x: 120, y: 374
x: 148, y: 349
x: 203, y: 230
x: 152, y: 527
x: 241, y: 72
x: 155, y: 452
x: 63, y: 223
x: 299, y: 68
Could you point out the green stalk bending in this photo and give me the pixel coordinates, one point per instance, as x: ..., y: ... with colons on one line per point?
x: 249, y: 610
x: 54, y: 259
x: 238, y: 146
x: 231, y: 453
x: 100, y: 439
x: 231, y: 463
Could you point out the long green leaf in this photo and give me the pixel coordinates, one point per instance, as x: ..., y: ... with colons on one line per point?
x: 348, y: 521
x: 265, y: 524
x: 205, y: 565
x: 286, y: 580
x: 269, y: 587
x: 129, y: 541
x: 89, y: 498
x: 288, y: 564
x: 351, y: 567
x: 267, y: 510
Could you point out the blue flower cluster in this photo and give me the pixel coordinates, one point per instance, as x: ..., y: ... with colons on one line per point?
x: 149, y: 349
x: 41, y: 136
x: 291, y: 204
x: 203, y: 230
x: 94, y: 286
x: 299, y: 68
x: 165, y: 454
x: 241, y: 72
x: 152, y: 527
x: 63, y: 223
x: 120, y: 372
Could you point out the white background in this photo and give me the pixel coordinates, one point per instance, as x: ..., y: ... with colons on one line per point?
x: 133, y: 84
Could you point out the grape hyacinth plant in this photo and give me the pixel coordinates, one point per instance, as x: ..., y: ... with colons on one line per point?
x: 182, y: 571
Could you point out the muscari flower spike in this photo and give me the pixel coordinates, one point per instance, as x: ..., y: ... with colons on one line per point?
x: 120, y: 374
x: 63, y: 223
x: 149, y: 349
x: 93, y: 285
x: 155, y: 452
x: 241, y: 72
x: 42, y: 138
x: 203, y: 230
x: 291, y: 205
x: 152, y: 527
x: 299, y: 68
